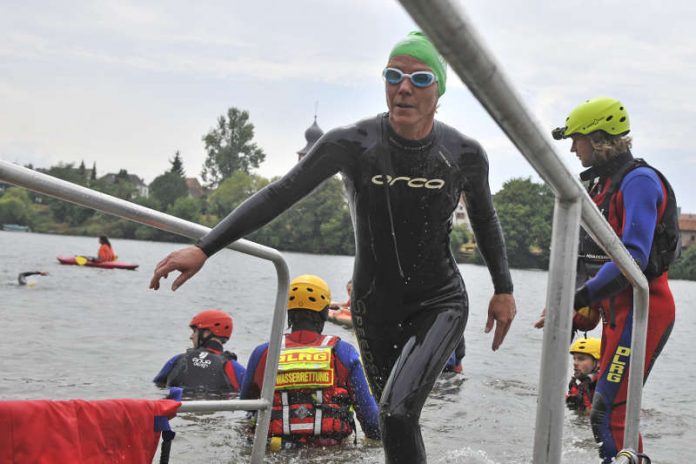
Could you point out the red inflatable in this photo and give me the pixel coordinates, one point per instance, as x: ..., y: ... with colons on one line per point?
x: 85, y: 432
x: 102, y: 264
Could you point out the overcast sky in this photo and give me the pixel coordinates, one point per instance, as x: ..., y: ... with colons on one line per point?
x: 125, y: 84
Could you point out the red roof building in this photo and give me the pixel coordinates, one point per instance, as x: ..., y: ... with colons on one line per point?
x: 687, y: 229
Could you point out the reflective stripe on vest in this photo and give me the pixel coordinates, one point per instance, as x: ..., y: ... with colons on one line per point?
x: 306, y: 367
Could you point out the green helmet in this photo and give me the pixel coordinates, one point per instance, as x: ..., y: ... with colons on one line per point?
x: 596, y: 114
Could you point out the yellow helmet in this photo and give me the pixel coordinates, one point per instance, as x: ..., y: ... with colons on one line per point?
x: 591, y: 346
x: 600, y: 113
x: 309, y: 292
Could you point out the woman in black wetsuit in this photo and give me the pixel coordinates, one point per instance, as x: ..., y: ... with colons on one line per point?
x: 404, y: 173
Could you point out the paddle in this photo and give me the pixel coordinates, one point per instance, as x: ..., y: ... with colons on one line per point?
x: 81, y: 260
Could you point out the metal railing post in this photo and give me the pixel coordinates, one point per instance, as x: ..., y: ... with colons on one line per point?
x: 554, y: 356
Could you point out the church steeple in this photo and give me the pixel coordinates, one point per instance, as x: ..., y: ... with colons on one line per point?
x: 312, y: 134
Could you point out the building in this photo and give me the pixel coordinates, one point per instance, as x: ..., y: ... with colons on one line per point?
x: 312, y: 134
x: 195, y: 190
x: 139, y: 184
x: 460, y: 215
x: 687, y: 229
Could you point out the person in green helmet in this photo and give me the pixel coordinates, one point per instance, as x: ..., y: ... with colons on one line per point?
x: 640, y: 206
x: 404, y: 173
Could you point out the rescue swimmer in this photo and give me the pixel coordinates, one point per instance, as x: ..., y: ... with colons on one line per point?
x: 404, y: 173
x: 585, y: 353
x: 320, y: 377
x: 640, y: 206
x: 205, y: 369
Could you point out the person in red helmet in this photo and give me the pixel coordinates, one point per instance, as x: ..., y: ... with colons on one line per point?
x: 205, y: 368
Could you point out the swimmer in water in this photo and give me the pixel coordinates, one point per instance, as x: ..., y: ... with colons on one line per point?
x: 22, y: 276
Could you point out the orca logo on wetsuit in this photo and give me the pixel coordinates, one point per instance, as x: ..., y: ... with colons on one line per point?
x: 201, y: 362
x: 413, y: 182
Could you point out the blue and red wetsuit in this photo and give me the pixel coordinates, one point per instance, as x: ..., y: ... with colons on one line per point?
x: 634, y: 211
x: 349, y: 377
x: 206, y: 369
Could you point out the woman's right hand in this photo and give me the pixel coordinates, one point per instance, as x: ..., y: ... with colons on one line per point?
x: 540, y: 323
x: 188, y: 261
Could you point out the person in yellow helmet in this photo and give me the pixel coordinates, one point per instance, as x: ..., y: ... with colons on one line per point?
x: 585, y: 352
x: 320, y: 377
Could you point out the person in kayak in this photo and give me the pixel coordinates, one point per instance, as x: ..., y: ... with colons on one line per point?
x: 585, y: 353
x: 320, y: 377
x: 205, y: 368
x: 105, y: 253
x: 404, y: 173
x: 22, y: 276
x: 640, y: 205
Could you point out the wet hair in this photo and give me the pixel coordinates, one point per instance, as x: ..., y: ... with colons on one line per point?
x: 607, y: 146
x: 308, y: 319
x: 103, y: 239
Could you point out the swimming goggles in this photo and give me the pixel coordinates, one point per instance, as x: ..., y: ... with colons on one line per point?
x: 419, y: 79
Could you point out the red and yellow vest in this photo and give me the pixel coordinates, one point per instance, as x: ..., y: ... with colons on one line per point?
x: 309, y: 400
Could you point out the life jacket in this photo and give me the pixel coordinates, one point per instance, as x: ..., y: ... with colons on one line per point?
x: 200, y: 370
x: 581, y: 392
x: 105, y: 253
x: 309, y: 401
x: 666, y: 245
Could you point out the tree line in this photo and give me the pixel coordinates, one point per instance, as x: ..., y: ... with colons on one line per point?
x: 320, y: 223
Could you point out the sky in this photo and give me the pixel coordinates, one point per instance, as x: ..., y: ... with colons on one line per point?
x: 126, y: 84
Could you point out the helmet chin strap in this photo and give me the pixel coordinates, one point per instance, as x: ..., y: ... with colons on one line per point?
x: 201, y: 339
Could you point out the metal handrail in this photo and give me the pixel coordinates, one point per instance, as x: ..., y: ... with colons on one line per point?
x: 48, y: 185
x: 445, y: 23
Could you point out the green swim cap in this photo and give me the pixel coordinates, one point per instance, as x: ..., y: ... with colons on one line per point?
x: 417, y: 45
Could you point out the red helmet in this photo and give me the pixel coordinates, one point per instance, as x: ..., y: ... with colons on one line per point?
x: 215, y: 320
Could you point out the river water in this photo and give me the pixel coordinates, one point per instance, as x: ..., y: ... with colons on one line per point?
x: 94, y: 334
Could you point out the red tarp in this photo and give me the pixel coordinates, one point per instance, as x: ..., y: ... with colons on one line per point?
x: 77, y: 431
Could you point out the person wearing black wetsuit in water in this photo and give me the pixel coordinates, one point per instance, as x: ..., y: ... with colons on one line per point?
x: 404, y: 173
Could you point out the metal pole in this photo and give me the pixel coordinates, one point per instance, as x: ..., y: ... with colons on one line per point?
x: 222, y: 405
x: 557, y: 327
x: 637, y: 367
x: 269, y: 375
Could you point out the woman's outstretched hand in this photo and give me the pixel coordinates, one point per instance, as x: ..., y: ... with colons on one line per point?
x: 188, y: 261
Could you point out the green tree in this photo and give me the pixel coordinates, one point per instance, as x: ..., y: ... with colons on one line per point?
x: 186, y: 208
x: 61, y: 210
x: 233, y: 191
x: 167, y: 188
x: 525, y: 210
x: 230, y: 148
x: 15, y: 207
x: 319, y: 223
x: 459, y: 236
x: 177, y: 165
x: 684, y: 267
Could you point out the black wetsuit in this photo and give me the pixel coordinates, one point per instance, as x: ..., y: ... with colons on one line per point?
x: 22, y: 277
x: 409, y: 303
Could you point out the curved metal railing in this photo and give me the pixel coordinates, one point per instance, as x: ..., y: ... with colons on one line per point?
x: 48, y: 185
